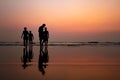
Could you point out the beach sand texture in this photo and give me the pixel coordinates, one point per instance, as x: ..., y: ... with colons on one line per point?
x: 64, y: 63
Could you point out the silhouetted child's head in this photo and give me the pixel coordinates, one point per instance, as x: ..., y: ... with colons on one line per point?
x: 29, y: 31
x: 45, y: 29
x: 25, y: 28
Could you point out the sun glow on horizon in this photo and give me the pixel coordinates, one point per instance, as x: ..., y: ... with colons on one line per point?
x: 65, y: 16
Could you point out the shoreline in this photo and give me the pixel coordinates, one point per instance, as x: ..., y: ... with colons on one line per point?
x: 64, y: 44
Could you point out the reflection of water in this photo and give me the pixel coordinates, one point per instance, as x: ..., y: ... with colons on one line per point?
x: 43, y: 59
x: 27, y: 56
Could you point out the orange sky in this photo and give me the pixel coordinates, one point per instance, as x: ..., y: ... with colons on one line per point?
x: 65, y: 19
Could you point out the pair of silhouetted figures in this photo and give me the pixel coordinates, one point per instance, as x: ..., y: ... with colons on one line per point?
x: 27, y: 36
x: 43, y: 35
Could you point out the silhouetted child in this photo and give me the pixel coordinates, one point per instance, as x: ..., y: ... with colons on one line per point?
x: 25, y: 35
x: 45, y: 36
x: 31, y: 37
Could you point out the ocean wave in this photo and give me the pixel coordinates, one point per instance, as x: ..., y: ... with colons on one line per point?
x: 64, y: 44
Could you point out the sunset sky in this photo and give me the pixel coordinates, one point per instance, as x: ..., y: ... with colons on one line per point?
x: 66, y: 20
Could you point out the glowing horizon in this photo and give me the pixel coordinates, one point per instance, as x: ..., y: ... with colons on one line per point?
x: 82, y: 18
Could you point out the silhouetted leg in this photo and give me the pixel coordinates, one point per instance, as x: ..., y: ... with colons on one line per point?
x: 41, y: 43
x: 29, y: 41
x: 46, y: 43
x: 24, y: 42
x: 39, y: 39
x: 32, y: 42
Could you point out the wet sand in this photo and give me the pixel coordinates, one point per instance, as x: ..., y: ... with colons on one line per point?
x: 63, y: 63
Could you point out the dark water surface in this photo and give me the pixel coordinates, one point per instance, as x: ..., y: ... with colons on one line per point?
x: 62, y: 63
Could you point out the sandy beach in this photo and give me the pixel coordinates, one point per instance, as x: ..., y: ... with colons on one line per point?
x: 64, y: 63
